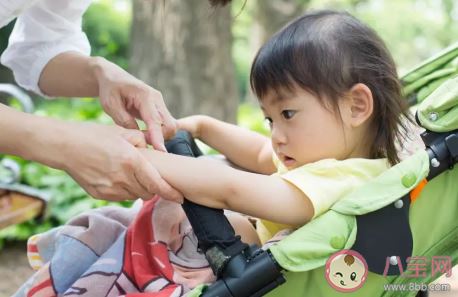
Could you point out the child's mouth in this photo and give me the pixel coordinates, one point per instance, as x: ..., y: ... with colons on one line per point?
x: 288, y: 161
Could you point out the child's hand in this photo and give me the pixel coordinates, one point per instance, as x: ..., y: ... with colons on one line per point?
x: 191, y: 124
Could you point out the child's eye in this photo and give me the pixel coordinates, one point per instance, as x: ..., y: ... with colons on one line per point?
x: 288, y: 114
x: 269, y: 121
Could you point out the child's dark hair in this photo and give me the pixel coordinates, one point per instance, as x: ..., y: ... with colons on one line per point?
x: 326, y: 53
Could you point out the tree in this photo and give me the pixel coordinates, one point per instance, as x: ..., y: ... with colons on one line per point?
x: 183, y: 48
x: 269, y: 17
x: 274, y: 14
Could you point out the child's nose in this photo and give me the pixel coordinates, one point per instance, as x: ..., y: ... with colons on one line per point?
x: 278, y: 136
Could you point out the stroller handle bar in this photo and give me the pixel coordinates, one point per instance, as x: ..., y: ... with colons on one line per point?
x: 236, y: 264
x: 253, y: 273
x: 24, y: 99
x: 442, y: 148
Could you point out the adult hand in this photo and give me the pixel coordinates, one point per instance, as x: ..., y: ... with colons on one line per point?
x: 126, y: 98
x: 105, y: 161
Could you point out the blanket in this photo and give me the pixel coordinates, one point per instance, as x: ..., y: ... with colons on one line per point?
x: 148, y: 250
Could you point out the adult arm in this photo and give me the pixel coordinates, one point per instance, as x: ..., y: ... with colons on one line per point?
x: 102, y: 159
x: 49, y: 55
x: 123, y: 97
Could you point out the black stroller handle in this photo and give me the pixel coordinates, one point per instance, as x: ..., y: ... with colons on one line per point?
x: 210, y: 225
x: 253, y: 273
x: 236, y: 265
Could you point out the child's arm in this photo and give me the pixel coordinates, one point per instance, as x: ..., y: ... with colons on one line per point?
x: 209, y: 183
x: 245, y: 148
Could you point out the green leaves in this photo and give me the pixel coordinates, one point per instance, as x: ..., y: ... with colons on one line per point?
x: 107, y: 29
x: 251, y: 117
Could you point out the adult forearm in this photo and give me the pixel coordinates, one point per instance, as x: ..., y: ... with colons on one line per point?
x: 122, y: 96
x: 238, y: 144
x: 71, y: 74
x: 30, y: 137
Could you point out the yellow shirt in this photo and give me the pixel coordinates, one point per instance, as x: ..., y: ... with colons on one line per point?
x: 324, y: 182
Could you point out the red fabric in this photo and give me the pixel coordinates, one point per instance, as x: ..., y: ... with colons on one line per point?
x: 145, y: 260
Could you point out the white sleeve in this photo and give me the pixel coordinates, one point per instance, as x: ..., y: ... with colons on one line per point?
x: 43, y: 31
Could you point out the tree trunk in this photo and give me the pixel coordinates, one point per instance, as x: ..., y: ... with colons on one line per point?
x: 270, y: 17
x: 183, y: 49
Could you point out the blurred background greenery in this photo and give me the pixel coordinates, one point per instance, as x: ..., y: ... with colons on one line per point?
x: 199, y: 57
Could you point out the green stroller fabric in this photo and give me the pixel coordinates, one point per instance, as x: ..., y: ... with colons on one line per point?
x: 421, y: 81
x: 310, y: 246
x: 439, y: 112
x: 432, y: 218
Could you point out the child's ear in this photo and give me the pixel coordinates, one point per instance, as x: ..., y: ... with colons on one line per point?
x: 361, y: 104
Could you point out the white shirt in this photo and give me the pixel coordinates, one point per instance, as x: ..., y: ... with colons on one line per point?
x: 43, y: 30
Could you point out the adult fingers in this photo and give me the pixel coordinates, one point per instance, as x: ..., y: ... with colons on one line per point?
x: 170, y: 125
x: 135, y: 137
x: 138, y: 191
x: 149, y: 178
x: 115, y: 108
x: 153, y: 119
x: 155, y: 135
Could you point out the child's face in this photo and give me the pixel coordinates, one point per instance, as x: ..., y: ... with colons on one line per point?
x: 303, y: 130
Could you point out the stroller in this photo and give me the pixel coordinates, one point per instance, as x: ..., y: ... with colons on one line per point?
x: 404, y: 220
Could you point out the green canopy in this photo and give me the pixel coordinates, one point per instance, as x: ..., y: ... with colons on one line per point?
x: 422, y: 80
